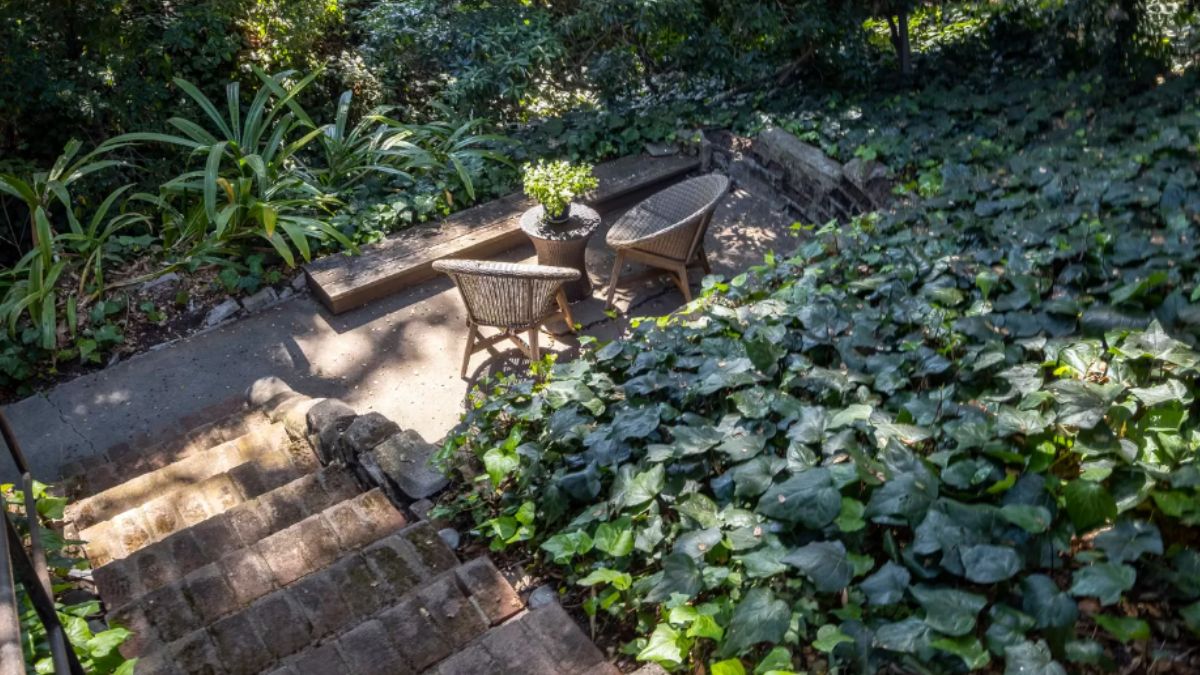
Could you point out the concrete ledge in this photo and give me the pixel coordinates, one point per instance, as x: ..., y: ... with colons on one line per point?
x: 343, y: 282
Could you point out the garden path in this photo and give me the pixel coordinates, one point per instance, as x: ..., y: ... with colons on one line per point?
x: 399, y: 356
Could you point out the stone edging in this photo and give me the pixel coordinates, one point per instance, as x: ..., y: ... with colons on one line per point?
x: 813, y: 185
x: 379, y: 452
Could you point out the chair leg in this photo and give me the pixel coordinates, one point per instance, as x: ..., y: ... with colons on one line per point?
x: 565, y: 308
x: 469, y: 350
x: 534, y: 354
x: 681, y: 279
x: 704, y: 260
x: 612, y: 281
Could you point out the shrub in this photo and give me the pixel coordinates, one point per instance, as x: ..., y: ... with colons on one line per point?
x: 556, y: 184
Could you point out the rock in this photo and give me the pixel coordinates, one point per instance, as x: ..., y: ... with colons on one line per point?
x: 366, y: 432
x: 294, y: 415
x: 286, y: 293
x: 262, y: 390
x: 299, y: 282
x: 450, y: 536
x: 861, y: 172
x: 421, y: 508
x: 326, y: 422
x: 660, y: 149
x: 404, y: 460
x: 798, y: 157
x: 260, y: 300
x: 168, y: 279
x: 221, y: 312
x: 542, y: 596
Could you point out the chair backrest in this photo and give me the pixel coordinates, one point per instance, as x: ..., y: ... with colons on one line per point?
x: 506, y: 295
x: 689, y: 199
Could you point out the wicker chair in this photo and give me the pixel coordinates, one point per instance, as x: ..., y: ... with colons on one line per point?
x: 513, y: 298
x: 667, y: 230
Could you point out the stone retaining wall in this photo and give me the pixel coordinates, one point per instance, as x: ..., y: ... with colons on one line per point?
x: 818, y: 188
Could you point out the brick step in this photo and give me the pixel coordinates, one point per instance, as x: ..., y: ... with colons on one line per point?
x: 543, y: 641
x: 197, y: 432
x: 406, y: 580
x: 173, y: 557
x: 180, y: 507
x: 232, y: 583
x: 197, y: 466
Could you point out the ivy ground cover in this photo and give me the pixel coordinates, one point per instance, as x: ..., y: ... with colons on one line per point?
x: 959, y: 435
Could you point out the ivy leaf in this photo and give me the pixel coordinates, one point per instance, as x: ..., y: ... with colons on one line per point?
x: 1049, y: 606
x: 966, y: 647
x: 727, y: 667
x: 645, y: 486
x: 1104, y: 581
x: 948, y: 610
x: 759, y: 617
x: 1089, y: 504
x: 698, y: 543
x: 1031, y: 658
x: 615, y: 538
x: 809, y: 498
x: 621, y: 581
x: 499, y: 462
x: 1086, y: 652
x: 1008, y: 627
x: 666, y: 646
x: 1191, y: 617
x: 690, y: 440
x: 1032, y: 519
x: 887, y: 585
x: 903, y: 498
x: 566, y: 545
x: 829, y: 637
x: 909, y: 636
x: 1124, y: 628
x: 1128, y: 540
x: 825, y: 564
x: 858, y: 412
x: 987, y: 564
x: 1083, y: 404
x: 765, y: 562
x: 680, y: 575
x: 753, y: 477
x: 850, y: 519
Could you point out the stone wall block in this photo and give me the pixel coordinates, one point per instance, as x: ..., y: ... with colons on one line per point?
x: 326, y: 422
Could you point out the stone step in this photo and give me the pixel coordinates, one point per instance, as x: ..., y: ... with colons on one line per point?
x: 173, y: 557
x: 178, y: 507
x: 136, y: 490
x: 542, y: 641
x: 235, y: 581
x: 342, y: 283
x: 210, y: 426
x: 404, y: 585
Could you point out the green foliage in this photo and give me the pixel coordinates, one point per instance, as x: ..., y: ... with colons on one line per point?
x: 97, y: 651
x: 919, y: 440
x: 556, y: 184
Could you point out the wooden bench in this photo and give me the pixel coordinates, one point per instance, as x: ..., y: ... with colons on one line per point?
x: 343, y: 282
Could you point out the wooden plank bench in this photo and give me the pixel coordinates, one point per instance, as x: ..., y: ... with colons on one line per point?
x: 343, y: 282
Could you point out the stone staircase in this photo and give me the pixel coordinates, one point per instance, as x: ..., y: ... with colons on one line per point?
x: 230, y: 548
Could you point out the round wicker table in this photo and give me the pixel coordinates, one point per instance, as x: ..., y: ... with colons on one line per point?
x: 564, y: 244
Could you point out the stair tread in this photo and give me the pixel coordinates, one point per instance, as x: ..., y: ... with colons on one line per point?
x: 196, y: 467
x: 241, y: 577
x: 174, y: 556
x: 209, y: 426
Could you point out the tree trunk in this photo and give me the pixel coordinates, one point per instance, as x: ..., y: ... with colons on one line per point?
x: 898, y: 27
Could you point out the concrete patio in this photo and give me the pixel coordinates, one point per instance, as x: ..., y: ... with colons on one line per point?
x: 399, y: 356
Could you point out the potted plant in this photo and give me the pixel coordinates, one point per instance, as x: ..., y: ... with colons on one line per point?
x: 555, y: 184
